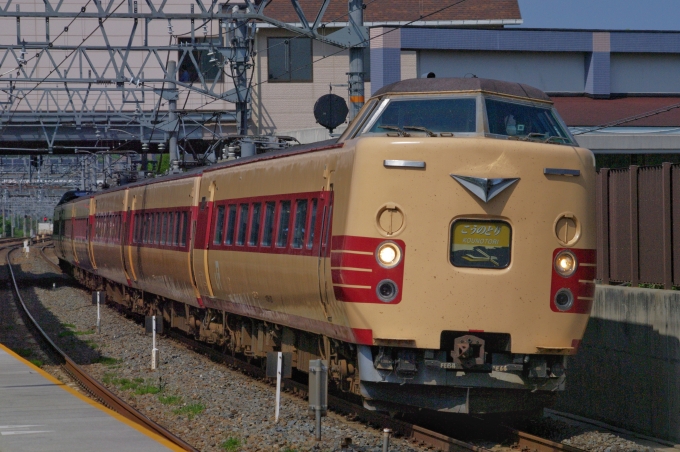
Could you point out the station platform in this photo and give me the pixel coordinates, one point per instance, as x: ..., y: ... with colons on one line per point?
x: 40, y: 413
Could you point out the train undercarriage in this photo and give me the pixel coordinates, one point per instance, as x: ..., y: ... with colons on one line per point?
x: 394, y: 379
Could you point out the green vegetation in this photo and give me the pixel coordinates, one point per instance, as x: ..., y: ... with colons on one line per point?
x: 70, y: 332
x: 67, y: 333
x: 9, y: 327
x: 170, y: 400
x: 107, y: 361
x: 190, y: 410
x: 147, y: 389
x: 23, y: 352
x: 231, y: 444
x: 68, y: 325
x: 163, y: 164
x: 36, y: 362
x: 92, y: 344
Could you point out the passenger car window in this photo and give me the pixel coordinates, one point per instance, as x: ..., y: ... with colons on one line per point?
x: 243, y: 224
x: 219, y: 226
x: 300, y: 219
x: 452, y: 115
x: 284, y: 221
x: 231, y: 225
x: 514, y: 119
x: 312, y: 225
x: 268, y: 229
x: 255, y: 225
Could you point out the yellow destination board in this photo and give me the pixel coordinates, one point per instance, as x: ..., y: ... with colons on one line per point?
x: 480, y: 244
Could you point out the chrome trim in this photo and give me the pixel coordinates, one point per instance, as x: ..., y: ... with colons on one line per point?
x: 561, y: 172
x: 403, y: 164
x: 484, y: 189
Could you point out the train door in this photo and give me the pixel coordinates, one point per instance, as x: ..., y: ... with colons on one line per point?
x: 324, y: 269
x: 200, y: 229
x: 126, y: 239
x: 91, y: 231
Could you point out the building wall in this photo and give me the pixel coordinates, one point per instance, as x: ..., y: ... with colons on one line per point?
x: 645, y: 73
x: 283, y: 106
x: 548, y: 71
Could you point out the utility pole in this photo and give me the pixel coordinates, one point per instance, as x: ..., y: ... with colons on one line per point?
x: 356, y: 60
x: 241, y: 44
x: 172, y: 114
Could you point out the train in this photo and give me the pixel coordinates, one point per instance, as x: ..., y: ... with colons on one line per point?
x: 438, y: 255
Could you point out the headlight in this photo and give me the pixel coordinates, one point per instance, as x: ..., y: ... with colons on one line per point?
x: 566, y: 263
x: 388, y: 254
x: 564, y: 299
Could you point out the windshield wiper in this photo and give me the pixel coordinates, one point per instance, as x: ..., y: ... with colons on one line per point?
x: 397, y: 128
x: 421, y: 129
x: 556, y: 139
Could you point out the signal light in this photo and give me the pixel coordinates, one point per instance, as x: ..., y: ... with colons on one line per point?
x: 388, y: 254
x: 565, y: 263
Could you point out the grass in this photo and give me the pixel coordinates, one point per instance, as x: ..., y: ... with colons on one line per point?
x: 92, y: 344
x: 23, y: 352
x: 190, y: 410
x: 68, y: 333
x: 9, y: 327
x: 68, y: 325
x: 231, y: 444
x: 107, y: 361
x: 170, y: 400
x: 36, y: 362
x: 147, y: 389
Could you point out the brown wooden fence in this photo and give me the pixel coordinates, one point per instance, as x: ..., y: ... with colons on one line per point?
x: 638, y: 225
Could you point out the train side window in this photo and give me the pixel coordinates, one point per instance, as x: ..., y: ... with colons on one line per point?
x: 157, y: 237
x: 255, y: 225
x: 164, y: 227
x: 300, y: 219
x: 171, y: 225
x: 219, y: 226
x: 175, y: 228
x: 231, y: 225
x: 185, y: 231
x: 312, y: 225
x: 284, y: 222
x: 147, y: 228
x: 268, y: 230
x: 243, y: 224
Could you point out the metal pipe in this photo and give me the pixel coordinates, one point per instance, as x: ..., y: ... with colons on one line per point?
x: 386, y: 439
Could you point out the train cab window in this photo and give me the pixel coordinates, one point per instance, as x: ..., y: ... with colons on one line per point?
x: 219, y: 226
x: 525, y: 122
x: 300, y: 219
x: 268, y: 230
x: 284, y: 222
x: 255, y: 225
x: 430, y: 115
x: 243, y: 224
x: 231, y: 225
x: 312, y: 224
x: 185, y: 229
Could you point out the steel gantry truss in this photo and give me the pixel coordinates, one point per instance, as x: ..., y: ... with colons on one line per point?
x: 100, y: 77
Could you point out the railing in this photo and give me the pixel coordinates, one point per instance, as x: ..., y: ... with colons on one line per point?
x: 638, y: 225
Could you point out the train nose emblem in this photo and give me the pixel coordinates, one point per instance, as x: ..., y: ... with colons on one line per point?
x: 484, y: 189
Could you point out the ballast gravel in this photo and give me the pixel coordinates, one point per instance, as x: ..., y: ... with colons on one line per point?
x: 209, y: 405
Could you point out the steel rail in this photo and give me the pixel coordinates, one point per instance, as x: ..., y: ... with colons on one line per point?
x: 525, y: 441
x: 92, y: 386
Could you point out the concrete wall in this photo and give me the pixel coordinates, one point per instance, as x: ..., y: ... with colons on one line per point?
x: 627, y: 371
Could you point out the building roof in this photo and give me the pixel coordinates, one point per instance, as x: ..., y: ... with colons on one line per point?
x: 424, y: 85
x: 403, y: 11
x: 589, y: 112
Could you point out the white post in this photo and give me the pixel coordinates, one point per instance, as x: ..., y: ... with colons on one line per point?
x: 154, y: 350
x: 279, y: 365
x: 99, y: 319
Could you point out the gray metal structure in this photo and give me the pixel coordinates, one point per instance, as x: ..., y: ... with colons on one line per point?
x: 108, y: 98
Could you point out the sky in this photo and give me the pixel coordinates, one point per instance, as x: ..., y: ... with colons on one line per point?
x: 601, y: 14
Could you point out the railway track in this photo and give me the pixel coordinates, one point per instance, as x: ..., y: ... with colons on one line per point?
x: 521, y: 440
x: 89, y: 384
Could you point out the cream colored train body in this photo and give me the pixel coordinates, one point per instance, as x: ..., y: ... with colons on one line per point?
x: 439, y: 255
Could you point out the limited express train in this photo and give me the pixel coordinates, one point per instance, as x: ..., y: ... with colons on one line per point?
x: 440, y: 254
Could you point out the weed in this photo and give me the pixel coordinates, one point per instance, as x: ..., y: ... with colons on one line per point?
x: 138, y: 380
x: 68, y: 325
x: 83, y: 333
x: 92, y: 344
x: 170, y: 400
x: 231, y: 444
x: 109, y: 378
x: 9, y: 327
x: 23, y: 352
x: 36, y: 362
x: 190, y: 410
x: 105, y: 360
x: 147, y: 389
x: 67, y: 333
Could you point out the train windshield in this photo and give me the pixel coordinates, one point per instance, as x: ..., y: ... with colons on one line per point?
x: 525, y: 122
x: 430, y: 116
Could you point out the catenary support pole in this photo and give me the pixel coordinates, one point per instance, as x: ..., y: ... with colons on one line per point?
x: 356, y: 61
x: 172, y: 114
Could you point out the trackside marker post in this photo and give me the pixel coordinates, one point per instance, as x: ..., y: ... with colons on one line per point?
x: 154, y: 350
x: 99, y: 319
x: 279, y: 366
